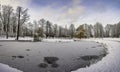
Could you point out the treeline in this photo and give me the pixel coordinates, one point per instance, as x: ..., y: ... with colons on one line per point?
x: 98, y: 31
x: 15, y: 23
x: 45, y: 28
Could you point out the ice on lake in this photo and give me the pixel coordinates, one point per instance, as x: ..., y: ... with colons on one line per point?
x: 50, y: 56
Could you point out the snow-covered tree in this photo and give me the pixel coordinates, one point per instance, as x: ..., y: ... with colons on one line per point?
x: 72, y: 30
x: 42, y: 23
x: 118, y: 29
x: 98, y: 30
x: 5, y: 15
x: 48, y: 29
x: 55, y: 30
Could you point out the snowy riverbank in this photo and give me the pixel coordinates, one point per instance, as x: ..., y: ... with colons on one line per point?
x: 110, y: 63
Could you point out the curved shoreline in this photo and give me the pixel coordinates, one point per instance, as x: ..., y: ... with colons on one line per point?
x: 110, y: 63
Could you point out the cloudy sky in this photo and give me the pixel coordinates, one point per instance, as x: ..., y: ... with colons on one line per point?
x: 65, y: 12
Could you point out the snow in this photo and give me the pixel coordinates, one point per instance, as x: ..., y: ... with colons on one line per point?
x: 13, y: 38
x: 112, y: 39
x: 110, y: 63
x: 3, y: 38
x: 44, y: 39
x: 6, y: 68
x: 57, y: 40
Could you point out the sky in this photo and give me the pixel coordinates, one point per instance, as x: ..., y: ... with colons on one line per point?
x: 66, y: 12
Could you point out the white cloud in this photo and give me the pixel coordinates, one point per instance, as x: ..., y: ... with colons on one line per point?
x: 64, y: 15
x: 69, y: 14
x: 15, y: 3
x: 45, y: 12
x: 107, y: 17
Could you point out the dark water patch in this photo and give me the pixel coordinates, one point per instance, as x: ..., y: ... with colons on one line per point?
x: 59, y: 41
x: 99, y: 46
x: 20, y: 56
x: 97, y: 42
x: 88, y: 60
x: 83, y: 65
x: 89, y: 57
x: 103, y: 55
x: 0, y: 45
x: 27, y: 54
x: 28, y: 59
x: 54, y: 65
x: 27, y: 49
x: 43, y: 65
x: 86, y: 48
x: 50, y: 60
x: 93, y: 47
x: 14, y: 56
x: 17, y: 56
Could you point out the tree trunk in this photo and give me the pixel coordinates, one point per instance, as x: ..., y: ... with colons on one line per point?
x: 7, y: 26
x: 7, y: 31
x: 18, y: 28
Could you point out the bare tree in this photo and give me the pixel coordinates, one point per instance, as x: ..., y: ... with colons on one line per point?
x: 48, y: 29
x: 22, y: 17
x: 5, y: 16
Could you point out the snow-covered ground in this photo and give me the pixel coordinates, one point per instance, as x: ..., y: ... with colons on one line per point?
x: 110, y: 63
x: 13, y: 38
x: 44, y: 39
x: 57, y: 40
x: 6, y: 68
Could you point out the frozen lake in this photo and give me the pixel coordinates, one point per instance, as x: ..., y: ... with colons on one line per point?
x: 50, y: 56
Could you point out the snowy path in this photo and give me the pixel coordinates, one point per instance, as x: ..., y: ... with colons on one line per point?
x: 110, y: 63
